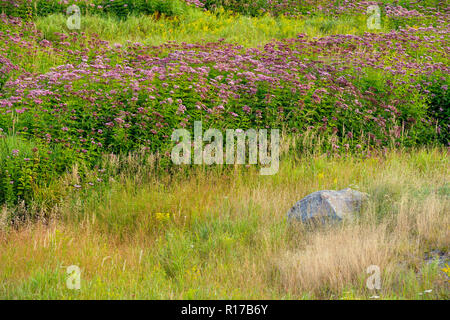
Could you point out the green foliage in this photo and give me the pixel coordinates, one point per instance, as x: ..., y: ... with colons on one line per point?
x: 247, y: 7
x: 119, y: 8
x: 3, y: 79
x: 22, y: 164
x: 439, y: 107
x: 26, y: 166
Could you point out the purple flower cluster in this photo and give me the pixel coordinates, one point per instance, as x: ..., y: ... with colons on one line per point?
x: 107, y: 97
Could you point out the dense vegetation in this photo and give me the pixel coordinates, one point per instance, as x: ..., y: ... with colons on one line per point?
x: 73, y: 97
x: 224, y: 236
x: 86, y: 117
x: 123, y: 8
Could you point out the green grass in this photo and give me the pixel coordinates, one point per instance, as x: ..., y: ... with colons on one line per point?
x: 198, y: 26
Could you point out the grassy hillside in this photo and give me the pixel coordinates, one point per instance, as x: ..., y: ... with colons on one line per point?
x: 86, y: 118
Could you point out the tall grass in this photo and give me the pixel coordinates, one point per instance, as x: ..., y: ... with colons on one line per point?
x: 197, y: 26
x: 224, y: 235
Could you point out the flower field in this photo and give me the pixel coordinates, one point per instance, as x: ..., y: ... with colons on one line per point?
x: 75, y: 107
x: 78, y: 97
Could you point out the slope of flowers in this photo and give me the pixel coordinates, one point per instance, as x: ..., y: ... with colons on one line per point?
x: 355, y: 93
x: 297, y: 82
x: 402, y: 8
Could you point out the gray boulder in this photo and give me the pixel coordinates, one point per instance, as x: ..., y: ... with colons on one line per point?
x: 327, y: 205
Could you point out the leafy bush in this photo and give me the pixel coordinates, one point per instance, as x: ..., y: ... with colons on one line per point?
x: 120, y: 8
x: 22, y: 166
x: 26, y: 165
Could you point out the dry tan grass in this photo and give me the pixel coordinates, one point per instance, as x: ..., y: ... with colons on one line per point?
x: 334, y: 259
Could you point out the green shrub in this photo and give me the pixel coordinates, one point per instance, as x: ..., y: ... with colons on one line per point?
x: 26, y: 166
x: 120, y: 8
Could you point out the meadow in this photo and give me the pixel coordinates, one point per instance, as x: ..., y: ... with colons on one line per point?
x: 176, y: 237
x: 86, y: 118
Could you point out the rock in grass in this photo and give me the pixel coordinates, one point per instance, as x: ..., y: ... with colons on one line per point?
x: 327, y: 206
